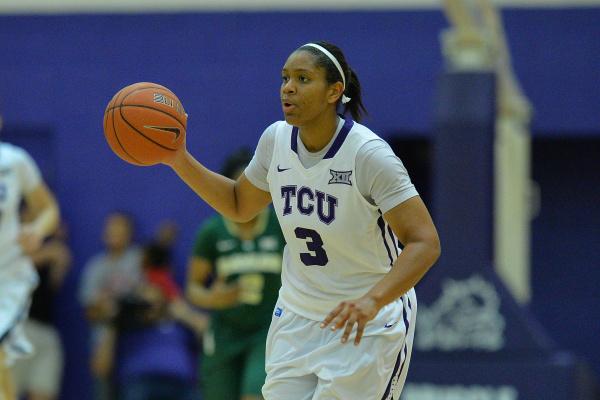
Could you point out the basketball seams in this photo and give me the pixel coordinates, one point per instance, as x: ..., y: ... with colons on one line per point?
x: 136, y: 88
x: 149, y: 108
x: 141, y: 133
x: 129, y: 135
x: 119, y: 141
x: 153, y: 87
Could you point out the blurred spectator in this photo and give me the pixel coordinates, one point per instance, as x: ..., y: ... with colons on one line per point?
x: 108, y: 276
x: 235, y: 272
x: 148, y: 346
x: 39, y: 377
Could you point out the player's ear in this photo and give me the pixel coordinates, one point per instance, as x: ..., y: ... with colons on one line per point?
x: 334, y: 92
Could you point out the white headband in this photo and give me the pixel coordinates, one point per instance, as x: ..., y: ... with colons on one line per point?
x: 335, y: 62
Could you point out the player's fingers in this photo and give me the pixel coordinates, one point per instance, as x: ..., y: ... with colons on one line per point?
x: 348, y: 330
x: 332, y: 315
x: 359, y: 333
x: 339, y: 321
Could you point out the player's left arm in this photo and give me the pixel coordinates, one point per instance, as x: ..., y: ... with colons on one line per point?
x: 43, y: 207
x: 414, y: 227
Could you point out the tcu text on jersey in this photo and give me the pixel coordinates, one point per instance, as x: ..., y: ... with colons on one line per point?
x: 305, y: 199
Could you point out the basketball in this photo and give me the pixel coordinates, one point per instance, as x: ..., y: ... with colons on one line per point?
x: 145, y: 123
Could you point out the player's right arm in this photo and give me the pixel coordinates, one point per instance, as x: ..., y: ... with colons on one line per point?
x: 239, y: 201
x: 219, y: 295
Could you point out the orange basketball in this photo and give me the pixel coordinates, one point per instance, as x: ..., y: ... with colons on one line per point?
x: 145, y: 123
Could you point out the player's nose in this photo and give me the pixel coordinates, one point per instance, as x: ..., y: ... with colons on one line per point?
x: 288, y: 87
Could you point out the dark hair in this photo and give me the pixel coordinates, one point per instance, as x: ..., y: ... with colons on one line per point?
x: 156, y: 255
x: 353, y: 91
x: 236, y: 161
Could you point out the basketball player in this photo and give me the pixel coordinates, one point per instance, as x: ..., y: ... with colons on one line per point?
x: 19, y: 179
x: 343, y: 200
x: 244, y: 261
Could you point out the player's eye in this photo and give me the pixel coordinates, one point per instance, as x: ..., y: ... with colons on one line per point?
x: 285, y: 78
x: 303, y: 79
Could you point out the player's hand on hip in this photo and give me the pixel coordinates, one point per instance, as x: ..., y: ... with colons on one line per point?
x: 349, y: 313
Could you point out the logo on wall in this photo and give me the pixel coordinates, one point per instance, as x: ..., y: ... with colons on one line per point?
x: 427, y: 391
x: 466, y: 316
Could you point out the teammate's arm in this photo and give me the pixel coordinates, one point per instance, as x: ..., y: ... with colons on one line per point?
x: 220, y: 294
x: 42, y: 205
x: 239, y: 201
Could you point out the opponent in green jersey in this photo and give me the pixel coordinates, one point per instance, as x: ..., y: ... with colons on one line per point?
x: 235, y: 272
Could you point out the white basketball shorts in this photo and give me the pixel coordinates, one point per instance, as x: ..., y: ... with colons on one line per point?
x: 18, y: 279
x: 305, y: 362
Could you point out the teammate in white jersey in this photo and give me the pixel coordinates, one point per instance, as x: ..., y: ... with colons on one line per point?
x: 19, y: 179
x: 343, y: 200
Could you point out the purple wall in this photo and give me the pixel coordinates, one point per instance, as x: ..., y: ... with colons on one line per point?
x: 57, y: 74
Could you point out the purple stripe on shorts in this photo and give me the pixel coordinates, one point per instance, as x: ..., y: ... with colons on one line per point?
x: 399, y: 366
x: 397, y: 371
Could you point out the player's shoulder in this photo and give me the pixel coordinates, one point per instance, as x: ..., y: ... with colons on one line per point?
x: 269, y: 139
x: 365, y: 132
x: 364, y: 140
x: 276, y: 128
x: 11, y: 152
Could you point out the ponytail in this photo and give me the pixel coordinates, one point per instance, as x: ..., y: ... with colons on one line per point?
x: 353, y: 90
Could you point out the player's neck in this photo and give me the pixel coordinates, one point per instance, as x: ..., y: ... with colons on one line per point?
x: 318, y: 134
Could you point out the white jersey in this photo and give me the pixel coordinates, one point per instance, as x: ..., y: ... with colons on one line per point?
x: 18, y: 176
x: 338, y: 244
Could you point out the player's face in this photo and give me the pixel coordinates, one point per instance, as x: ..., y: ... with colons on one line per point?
x: 305, y: 93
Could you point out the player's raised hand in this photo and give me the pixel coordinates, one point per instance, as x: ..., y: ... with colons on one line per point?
x: 349, y: 313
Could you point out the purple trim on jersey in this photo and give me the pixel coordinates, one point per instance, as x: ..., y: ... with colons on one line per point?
x: 339, y: 140
x: 337, y: 143
x: 399, y: 366
x: 295, y: 139
x: 381, y: 224
x: 394, y: 240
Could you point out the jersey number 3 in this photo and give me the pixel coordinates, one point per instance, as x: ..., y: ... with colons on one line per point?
x: 314, y: 244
